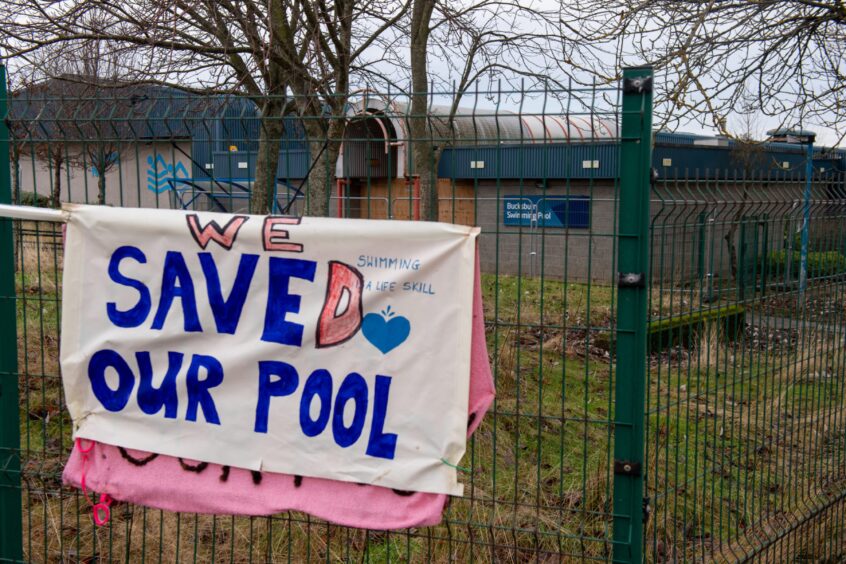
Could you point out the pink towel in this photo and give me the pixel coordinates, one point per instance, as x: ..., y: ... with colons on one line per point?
x: 176, y: 484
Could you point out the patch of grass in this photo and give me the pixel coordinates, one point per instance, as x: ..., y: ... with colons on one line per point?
x: 741, y: 444
x: 516, y: 299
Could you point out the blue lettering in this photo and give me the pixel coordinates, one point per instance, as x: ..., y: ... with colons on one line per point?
x: 381, y: 444
x: 280, y: 303
x: 152, y: 399
x: 112, y: 400
x: 177, y: 283
x: 198, y: 390
x: 134, y: 316
x: 319, y: 384
x: 286, y: 382
x: 227, y: 312
x: 352, y: 388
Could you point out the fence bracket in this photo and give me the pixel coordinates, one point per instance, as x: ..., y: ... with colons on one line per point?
x: 631, y: 280
x: 626, y: 468
x: 637, y: 85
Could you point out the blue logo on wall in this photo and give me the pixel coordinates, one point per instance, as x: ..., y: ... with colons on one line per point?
x: 385, y: 332
x: 159, y: 172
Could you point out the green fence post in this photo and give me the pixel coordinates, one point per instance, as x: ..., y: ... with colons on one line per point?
x: 11, y: 542
x: 633, y: 264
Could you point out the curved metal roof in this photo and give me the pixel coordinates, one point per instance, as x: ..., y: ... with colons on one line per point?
x: 485, y: 126
x: 479, y: 127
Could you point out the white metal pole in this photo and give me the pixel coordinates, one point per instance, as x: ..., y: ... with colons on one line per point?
x: 33, y: 214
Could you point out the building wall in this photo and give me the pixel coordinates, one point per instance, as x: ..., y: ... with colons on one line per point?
x: 372, y: 199
x: 689, y: 231
x: 139, y: 178
x: 573, y: 253
x: 687, y: 238
x: 456, y: 201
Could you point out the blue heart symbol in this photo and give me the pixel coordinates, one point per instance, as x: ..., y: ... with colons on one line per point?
x: 385, y: 332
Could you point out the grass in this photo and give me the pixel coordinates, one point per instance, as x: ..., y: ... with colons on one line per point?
x: 742, y: 441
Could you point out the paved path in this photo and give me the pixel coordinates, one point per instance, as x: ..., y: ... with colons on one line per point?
x: 779, y: 322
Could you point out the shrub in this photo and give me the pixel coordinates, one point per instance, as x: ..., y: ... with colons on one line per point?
x: 37, y: 200
x: 820, y: 263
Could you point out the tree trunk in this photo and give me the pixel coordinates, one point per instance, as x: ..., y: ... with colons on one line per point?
x: 422, y: 148
x: 318, y: 189
x: 101, y: 187
x: 267, y: 160
x: 56, y: 196
x: 16, y: 173
x: 426, y: 168
x: 732, y: 231
x: 732, y: 249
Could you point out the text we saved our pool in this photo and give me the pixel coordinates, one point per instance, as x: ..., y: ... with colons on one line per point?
x: 191, y: 280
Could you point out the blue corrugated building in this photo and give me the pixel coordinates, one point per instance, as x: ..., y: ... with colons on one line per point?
x: 488, y: 161
x: 225, y: 139
x: 530, y: 182
x: 675, y: 155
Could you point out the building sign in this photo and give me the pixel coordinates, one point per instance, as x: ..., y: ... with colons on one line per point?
x: 310, y: 346
x: 547, y: 211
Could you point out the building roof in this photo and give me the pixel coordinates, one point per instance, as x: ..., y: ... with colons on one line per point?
x: 478, y: 144
x: 675, y: 155
x: 468, y: 127
x: 72, y: 108
x: 482, y: 127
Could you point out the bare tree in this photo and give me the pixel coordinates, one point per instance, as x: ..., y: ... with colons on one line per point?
x: 17, y: 148
x: 482, y: 39
x: 422, y: 150
x: 748, y: 158
x: 54, y: 157
x: 101, y: 157
x: 40, y: 143
x: 74, y: 87
x: 789, y: 53
x: 93, y: 71
x: 266, y: 50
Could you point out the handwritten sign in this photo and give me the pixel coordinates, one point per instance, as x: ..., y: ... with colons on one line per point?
x: 319, y: 347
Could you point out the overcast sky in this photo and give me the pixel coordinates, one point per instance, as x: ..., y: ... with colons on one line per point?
x: 444, y: 67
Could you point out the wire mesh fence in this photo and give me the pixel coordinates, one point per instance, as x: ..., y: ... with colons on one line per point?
x: 715, y: 379
x: 746, y: 371
x: 538, y: 472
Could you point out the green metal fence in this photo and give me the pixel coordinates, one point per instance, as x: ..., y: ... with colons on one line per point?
x: 665, y: 389
x: 744, y: 403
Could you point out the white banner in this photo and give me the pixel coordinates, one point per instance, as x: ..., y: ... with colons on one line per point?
x: 319, y: 347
